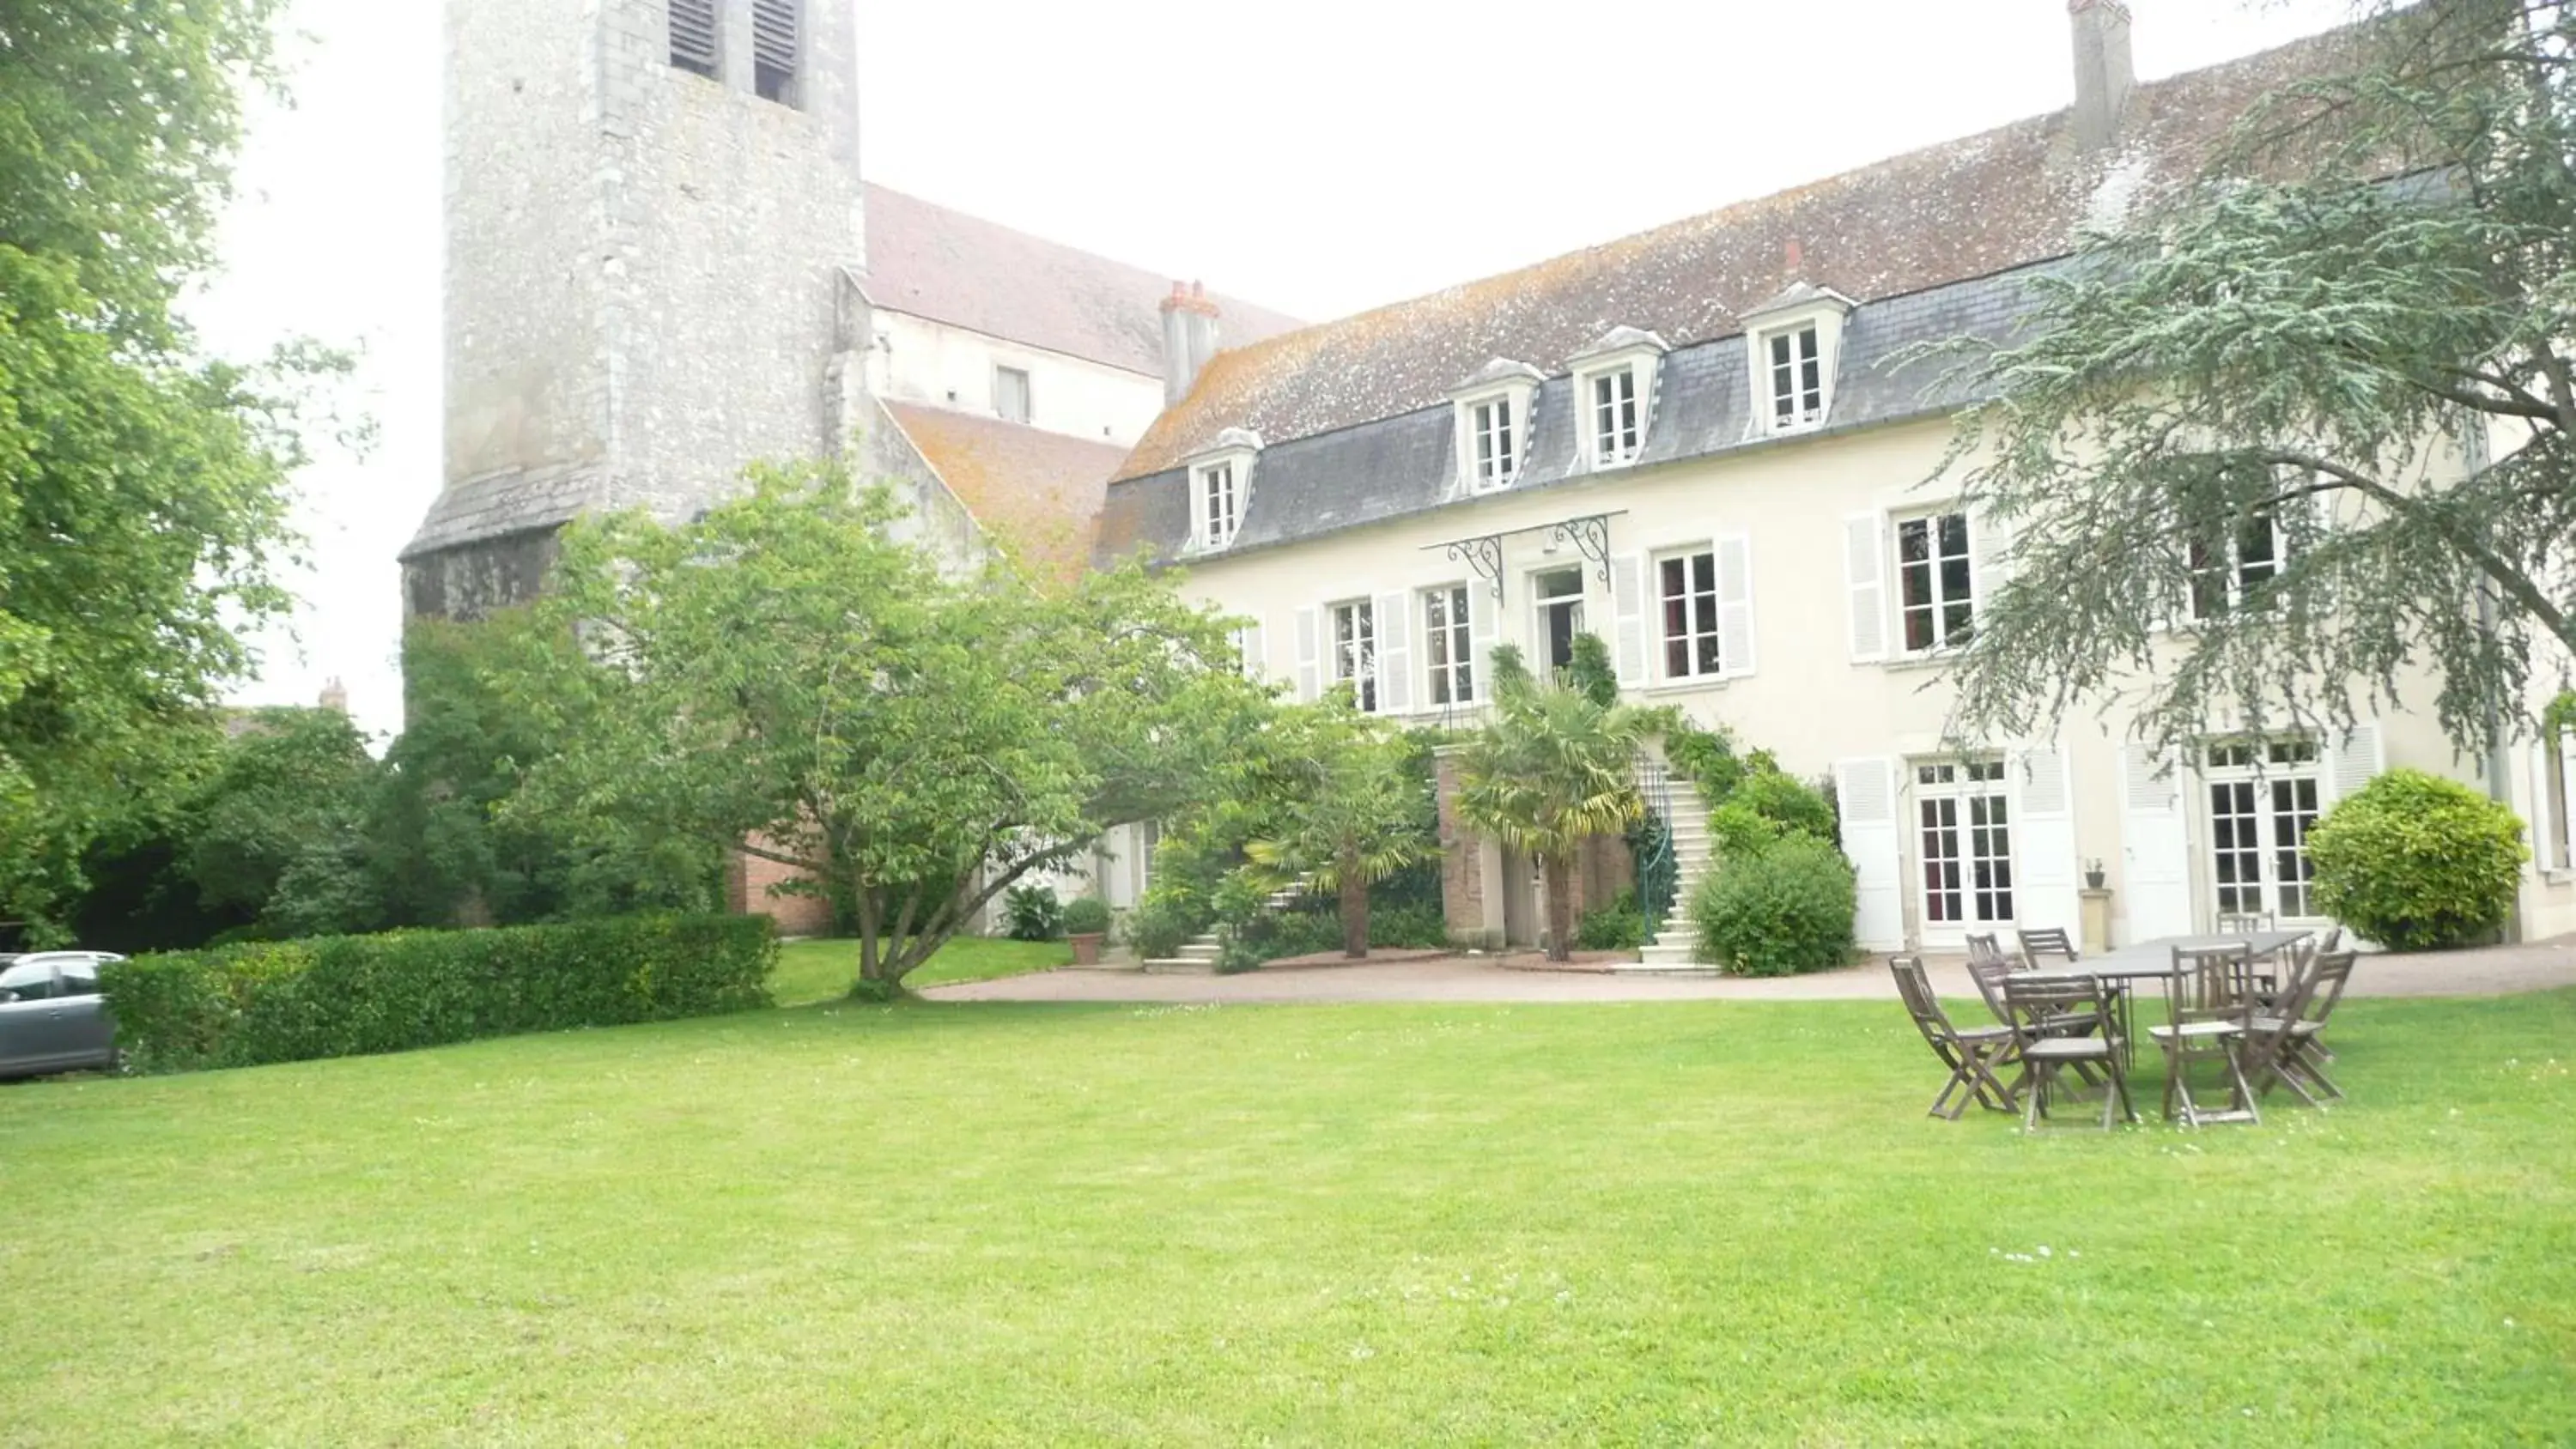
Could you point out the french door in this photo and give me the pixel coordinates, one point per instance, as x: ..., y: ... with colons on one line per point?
x: 2262, y: 799
x: 1963, y: 839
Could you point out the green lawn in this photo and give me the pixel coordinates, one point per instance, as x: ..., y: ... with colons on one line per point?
x: 926, y: 1224
x: 810, y: 971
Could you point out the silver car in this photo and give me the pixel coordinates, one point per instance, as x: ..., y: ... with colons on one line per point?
x: 52, y: 1018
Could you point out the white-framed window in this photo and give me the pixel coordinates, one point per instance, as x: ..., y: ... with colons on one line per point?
x: 777, y: 50
x: 1247, y: 651
x: 1686, y: 590
x: 1489, y: 428
x: 1220, y: 504
x: 1557, y: 595
x: 1355, y: 651
x: 1011, y: 394
x: 2554, y: 801
x: 2262, y: 797
x: 1615, y: 416
x: 2225, y: 574
x: 1447, y: 648
x: 1796, y: 362
x: 1935, y: 581
x: 694, y: 36
x: 1963, y: 827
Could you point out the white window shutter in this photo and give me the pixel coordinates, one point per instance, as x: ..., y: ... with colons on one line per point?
x: 1310, y: 655
x: 2354, y: 762
x: 2567, y: 789
x: 1394, y: 655
x: 1628, y: 614
x: 1256, y: 661
x: 2544, y: 840
x: 1735, y: 604
x: 1865, y: 789
x: 2043, y: 840
x: 1987, y: 549
x: 1484, y: 630
x: 1865, y: 571
x: 2154, y: 846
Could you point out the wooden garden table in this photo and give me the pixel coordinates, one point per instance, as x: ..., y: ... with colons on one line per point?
x: 2154, y: 960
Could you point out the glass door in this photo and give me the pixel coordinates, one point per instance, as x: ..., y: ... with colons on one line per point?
x: 1963, y: 838
x: 2262, y: 799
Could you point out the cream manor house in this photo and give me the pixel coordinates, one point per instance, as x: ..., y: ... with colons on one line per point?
x: 1693, y: 443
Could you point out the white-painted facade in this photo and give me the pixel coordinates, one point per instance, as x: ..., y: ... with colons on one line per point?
x: 1762, y: 591
x: 918, y: 359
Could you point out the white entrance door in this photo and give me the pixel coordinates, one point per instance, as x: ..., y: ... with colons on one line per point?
x: 2261, y: 800
x: 1963, y: 847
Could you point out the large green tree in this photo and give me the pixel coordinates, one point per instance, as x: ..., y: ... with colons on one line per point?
x: 142, y: 486
x: 2312, y: 420
x: 1349, y: 794
x: 784, y: 675
x: 1552, y: 769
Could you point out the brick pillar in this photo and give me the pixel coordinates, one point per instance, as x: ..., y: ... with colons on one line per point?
x: 747, y: 881
x: 1468, y: 862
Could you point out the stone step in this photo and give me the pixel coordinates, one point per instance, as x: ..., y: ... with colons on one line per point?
x: 1672, y: 956
x: 1180, y: 966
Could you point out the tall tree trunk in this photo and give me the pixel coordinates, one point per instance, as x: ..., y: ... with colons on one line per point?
x: 1560, y: 907
x: 1354, y: 905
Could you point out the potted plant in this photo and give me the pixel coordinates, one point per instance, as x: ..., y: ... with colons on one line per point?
x: 1086, y: 925
x: 2093, y: 874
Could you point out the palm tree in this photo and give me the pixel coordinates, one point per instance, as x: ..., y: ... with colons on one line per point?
x: 1554, y: 768
x: 1349, y: 815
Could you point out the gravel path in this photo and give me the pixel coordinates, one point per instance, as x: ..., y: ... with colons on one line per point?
x: 2492, y: 971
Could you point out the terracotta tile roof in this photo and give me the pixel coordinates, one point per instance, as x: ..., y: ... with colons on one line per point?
x: 1967, y: 208
x: 1036, y: 491
x: 929, y: 261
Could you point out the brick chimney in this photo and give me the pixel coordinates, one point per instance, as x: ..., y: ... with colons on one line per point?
x: 1189, y: 339
x: 2104, y: 75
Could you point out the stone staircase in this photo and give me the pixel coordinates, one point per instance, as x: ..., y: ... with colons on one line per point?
x: 1670, y: 953
x: 1197, y: 957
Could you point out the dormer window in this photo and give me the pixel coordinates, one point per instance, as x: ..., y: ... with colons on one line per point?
x: 1217, y: 504
x: 1490, y: 423
x: 1793, y: 339
x: 1614, y: 382
x: 1615, y: 431
x: 1220, y: 487
x: 1493, y: 410
x: 1797, y: 380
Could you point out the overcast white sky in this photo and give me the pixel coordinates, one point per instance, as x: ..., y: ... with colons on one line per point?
x: 1320, y: 158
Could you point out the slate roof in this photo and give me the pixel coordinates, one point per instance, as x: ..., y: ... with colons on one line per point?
x: 518, y: 500
x: 929, y: 261
x: 1703, y: 406
x: 1038, y: 492
x: 1966, y: 208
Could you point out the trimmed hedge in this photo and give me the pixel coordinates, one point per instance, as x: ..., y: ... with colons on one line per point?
x: 338, y: 996
x: 2417, y: 863
x: 1778, y: 911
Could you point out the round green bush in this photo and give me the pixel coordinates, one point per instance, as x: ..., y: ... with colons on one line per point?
x: 2416, y: 862
x: 1779, y: 911
x: 1086, y: 916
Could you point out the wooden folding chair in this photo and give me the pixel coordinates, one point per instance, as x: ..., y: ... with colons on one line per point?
x: 1971, y: 1055
x: 2211, y: 1006
x: 2046, y: 941
x: 2037, y: 1006
x: 2287, y: 1045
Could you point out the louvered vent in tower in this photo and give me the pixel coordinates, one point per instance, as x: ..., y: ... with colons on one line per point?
x: 693, y: 36
x: 774, y: 49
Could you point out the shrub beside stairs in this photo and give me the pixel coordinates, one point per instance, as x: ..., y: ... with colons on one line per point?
x: 1675, y: 949
x: 1197, y: 956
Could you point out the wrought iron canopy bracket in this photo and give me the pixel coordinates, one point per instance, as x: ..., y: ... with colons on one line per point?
x: 1590, y: 536
x: 1483, y: 557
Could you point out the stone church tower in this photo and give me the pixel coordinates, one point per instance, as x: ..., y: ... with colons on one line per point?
x: 653, y: 213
